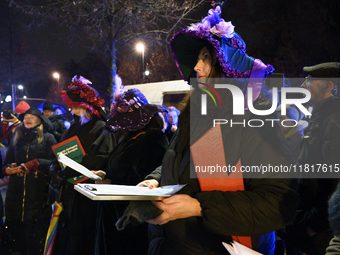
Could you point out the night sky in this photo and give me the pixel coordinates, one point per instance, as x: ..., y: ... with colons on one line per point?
x: 287, y: 34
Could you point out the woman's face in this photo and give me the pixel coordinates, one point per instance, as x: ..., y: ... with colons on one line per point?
x: 76, y: 111
x: 31, y: 121
x: 203, y: 66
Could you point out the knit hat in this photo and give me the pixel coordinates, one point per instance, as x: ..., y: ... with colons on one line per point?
x: 82, y: 95
x: 324, y: 70
x: 131, y: 111
x: 228, y: 47
x: 48, y: 106
x: 22, y: 107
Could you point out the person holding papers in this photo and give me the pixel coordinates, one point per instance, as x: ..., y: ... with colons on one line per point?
x: 140, y: 151
x: 76, y: 228
x: 27, y: 161
x: 214, y: 208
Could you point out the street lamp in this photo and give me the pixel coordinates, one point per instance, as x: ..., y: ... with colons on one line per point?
x: 56, y: 76
x: 20, y: 87
x: 140, y: 48
x: 147, y: 72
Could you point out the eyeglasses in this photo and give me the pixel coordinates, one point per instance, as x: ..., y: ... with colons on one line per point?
x: 308, y: 80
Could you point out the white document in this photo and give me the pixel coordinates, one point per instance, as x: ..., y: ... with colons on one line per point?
x: 78, y: 167
x: 126, y: 190
x: 239, y: 249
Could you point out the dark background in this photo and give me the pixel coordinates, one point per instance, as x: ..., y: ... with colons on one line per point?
x: 288, y: 34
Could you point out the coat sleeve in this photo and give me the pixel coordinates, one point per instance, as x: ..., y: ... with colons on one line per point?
x: 266, y: 204
x: 45, y: 162
x: 156, y: 174
x: 9, y: 159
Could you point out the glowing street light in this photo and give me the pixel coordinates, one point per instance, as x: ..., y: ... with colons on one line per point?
x: 140, y: 48
x: 147, y: 72
x: 20, y: 87
x: 8, y: 98
x: 56, y: 76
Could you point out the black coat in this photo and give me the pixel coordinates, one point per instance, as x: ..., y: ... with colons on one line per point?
x: 132, y: 159
x: 58, y: 126
x: 321, y: 145
x: 33, y: 191
x: 266, y: 204
x: 77, y: 236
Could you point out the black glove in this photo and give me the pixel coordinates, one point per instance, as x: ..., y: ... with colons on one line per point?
x: 138, y: 212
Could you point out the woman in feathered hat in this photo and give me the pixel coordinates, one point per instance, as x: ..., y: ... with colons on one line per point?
x: 207, y: 212
x: 140, y: 150
x: 27, y: 161
x: 76, y: 228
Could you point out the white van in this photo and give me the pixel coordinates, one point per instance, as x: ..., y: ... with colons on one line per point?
x: 168, y: 93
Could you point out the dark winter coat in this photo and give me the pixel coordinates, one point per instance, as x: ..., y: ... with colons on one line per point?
x: 77, y: 236
x: 321, y: 145
x: 266, y: 204
x: 130, y: 161
x: 58, y: 126
x: 28, y: 189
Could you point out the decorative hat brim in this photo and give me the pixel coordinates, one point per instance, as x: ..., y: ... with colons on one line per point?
x: 74, y: 100
x: 135, y: 120
x: 235, y: 63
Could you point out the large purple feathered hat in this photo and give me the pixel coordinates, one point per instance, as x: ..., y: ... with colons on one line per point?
x: 131, y: 111
x: 228, y: 46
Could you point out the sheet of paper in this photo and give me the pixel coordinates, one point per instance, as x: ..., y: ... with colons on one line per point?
x: 239, y: 249
x: 125, y: 190
x: 78, y: 167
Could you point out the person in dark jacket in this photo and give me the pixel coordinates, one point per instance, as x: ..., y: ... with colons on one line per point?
x: 26, y: 162
x: 310, y: 231
x: 172, y: 119
x: 58, y: 124
x: 76, y: 228
x: 8, y: 125
x: 334, y: 220
x: 207, y: 212
x: 140, y: 151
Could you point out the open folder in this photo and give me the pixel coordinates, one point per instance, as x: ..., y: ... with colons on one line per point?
x: 78, y: 167
x: 107, y: 192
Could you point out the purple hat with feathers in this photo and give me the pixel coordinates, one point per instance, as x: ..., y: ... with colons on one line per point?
x: 228, y: 47
x: 131, y: 111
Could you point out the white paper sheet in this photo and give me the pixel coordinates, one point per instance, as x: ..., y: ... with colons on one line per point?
x: 125, y: 190
x: 239, y: 249
x: 78, y: 167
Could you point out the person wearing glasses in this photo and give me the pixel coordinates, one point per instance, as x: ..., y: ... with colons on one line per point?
x: 310, y: 231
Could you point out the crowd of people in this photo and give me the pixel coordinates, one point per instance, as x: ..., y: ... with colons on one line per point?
x: 148, y: 145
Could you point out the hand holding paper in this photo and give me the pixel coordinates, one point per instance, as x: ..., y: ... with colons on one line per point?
x: 78, y: 167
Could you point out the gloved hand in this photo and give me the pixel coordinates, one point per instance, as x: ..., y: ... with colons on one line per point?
x: 138, y: 212
x: 30, y: 166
